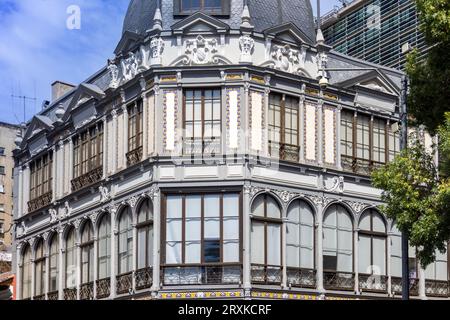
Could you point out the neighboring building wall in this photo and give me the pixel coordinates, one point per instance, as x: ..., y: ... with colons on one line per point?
x: 377, y: 31
x: 7, y: 135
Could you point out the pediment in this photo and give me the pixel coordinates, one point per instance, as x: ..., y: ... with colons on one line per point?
x: 38, y: 124
x: 200, y: 22
x: 374, y: 81
x: 288, y: 32
x: 84, y: 93
x: 127, y: 42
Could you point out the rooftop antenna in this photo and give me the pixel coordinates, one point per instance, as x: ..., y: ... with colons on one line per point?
x: 24, y: 99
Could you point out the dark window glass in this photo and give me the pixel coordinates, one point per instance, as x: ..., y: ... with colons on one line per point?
x: 212, y: 251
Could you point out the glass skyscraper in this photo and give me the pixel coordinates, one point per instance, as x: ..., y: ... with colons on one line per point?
x: 378, y: 31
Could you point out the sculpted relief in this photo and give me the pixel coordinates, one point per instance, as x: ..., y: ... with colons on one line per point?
x: 287, y: 59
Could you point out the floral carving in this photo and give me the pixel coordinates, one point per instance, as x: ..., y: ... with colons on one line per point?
x: 286, y: 59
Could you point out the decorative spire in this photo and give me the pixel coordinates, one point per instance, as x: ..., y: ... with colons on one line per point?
x: 246, y: 24
x: 319, y: 38
x: 157, y: 19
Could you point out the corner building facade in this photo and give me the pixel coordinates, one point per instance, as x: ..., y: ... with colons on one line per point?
x: 205, y: 161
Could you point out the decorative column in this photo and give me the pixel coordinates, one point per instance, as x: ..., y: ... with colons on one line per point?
x: 25, y: 189
x: 125, y: 135
x: 284, y: 283
x: 422, y: 282
x: 356, y: 258
x: 54, y: 175
x: 113, y: 211
x: 338, y: 137
x: 70, y: 171
x: 105, y: 147
x: 33, y: 273
x: 60, y: 265
x: 156, y: 198
x: 320, y: 139
x: 302, y: 127
x: 19, y: 271
x: 388, y: 263
x: 46, y: 266
x: 145, y: 119
x: 319, y: 246
x: 245, y: 121
x: 115, y: 141
x: 59, y: 158
x: 246, y: 241
x: 20, y: 194
x: 135, y: 253
x: 94, y: 280
x: 265, y: 137
x: 78, y: 264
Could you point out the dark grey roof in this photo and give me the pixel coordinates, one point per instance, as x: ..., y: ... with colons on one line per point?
x: 264, y: 13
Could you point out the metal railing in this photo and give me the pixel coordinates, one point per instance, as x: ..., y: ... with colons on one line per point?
x: 262, y: 274
x: 204, y: 274
x: 360, y: 165
x: 396, y: 286
x: 372, y: 282
x: 103, y: 287
x: 135, y: 156
x: 53, y: 296
x: 40, y: 202
x: 336, y: 280
x: 70, y: 294
x: 87, y: 291
x: 284, y: 151
x: 87, y: 179
x: 436, y: 288
x: 301, y: 278
x: 124, y: 283
x: 143, y: 278
x: 39, y: 297
x: 206, y: 147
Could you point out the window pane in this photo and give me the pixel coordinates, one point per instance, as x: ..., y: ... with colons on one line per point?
x: 273, y: 244
x: 212, y: 251
x: 257, y: 243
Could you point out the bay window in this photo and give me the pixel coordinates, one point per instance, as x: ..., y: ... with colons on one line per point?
x: 88, y: 157
x: 135, y: 132
x: 202, y: 122
x: 40, y: 182
x: 266, y: 240
x: 338, y: 249
x: 284, y: 127
x: 300, y: 245
x: 372, y: 252
x: 202, y: 239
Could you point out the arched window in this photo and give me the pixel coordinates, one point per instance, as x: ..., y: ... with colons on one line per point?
x: 396, y: 263
x: 87, y: 253
x: 125, y: 247
x: 104, y: 248
x: 70, y: 260
x: 372, y: 244
x: 144, y: 245
x: 54, y: 265
x: 338, y: 248
x: 26, y: 273
x: 39, y: 262
x: 300, y: 244
x: 372, y: 251
x: 266, y: 240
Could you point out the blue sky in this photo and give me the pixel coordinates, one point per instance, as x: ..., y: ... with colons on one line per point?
x: 37, y: 47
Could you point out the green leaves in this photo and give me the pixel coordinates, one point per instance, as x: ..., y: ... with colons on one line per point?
x: 416, y: 199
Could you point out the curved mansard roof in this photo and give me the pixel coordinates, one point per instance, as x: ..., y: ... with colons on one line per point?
x: 264, y: 13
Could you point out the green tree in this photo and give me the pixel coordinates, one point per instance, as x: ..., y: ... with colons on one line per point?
x: 417, y: 200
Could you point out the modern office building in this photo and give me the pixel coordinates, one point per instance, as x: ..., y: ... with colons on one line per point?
x: 378, y: 31
x: 218, y: 155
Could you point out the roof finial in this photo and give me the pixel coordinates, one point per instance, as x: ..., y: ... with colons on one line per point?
x: 246, y: 19
x: 319, y: 37
x: 157, y: 19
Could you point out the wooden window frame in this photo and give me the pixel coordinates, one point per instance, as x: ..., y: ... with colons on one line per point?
x: 145, y: 225
x: 135, y: 126
x: 41, y: 176
x: 85, y: 160
x: 282, y: 129
x: 203, y: 100
x: 225, y: 10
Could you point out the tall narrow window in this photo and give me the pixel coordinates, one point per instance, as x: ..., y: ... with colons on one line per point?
x: 40, y: 182
x: 338, y: 248
x: 202, y: 122
x: 26, y: 273
x: 71, y: 260
x: 135, y: 132
x: 54, y: 267
x: 144, y: 245
x: 87, y: 253
x: 202, y: 235
x: 394, y: 143
x: 266, y: 240
x: 300, y: 245
x: 104, y: 257
x: 88, y: 157
x: 39, y: 262
x: 283, y: 127
x: 379, y: 142
x: 125, y: 247
x: 104, y: 248
x: 372, y: 252
x: 363, y: 137
x: 347, y: 143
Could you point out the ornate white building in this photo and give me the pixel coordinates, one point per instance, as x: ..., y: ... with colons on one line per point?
x: 205, y: 161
